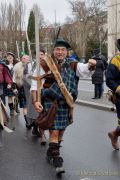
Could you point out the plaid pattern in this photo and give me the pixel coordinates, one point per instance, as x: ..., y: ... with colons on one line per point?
x: 69, y: 78
x: 61, y: 119
x: 71, y: 82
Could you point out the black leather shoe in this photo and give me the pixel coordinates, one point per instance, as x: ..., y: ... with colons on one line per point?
x: 95, y: 98
x: 17, y: 111
x: 35, y: 132
x: 28, y: 126
x: 43, y: 140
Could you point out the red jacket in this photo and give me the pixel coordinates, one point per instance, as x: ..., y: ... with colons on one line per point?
x: 5, y: 75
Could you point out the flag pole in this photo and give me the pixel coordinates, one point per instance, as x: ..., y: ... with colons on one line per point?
x: 37, y: 51
x: 28, y: 45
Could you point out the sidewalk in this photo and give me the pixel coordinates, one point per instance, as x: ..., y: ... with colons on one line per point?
x: 85, y: 98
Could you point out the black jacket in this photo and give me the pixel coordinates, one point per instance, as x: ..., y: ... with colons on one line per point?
x: 98, y: 76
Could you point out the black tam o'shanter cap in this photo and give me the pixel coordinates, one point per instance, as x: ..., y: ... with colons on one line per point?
x: 62, y: 43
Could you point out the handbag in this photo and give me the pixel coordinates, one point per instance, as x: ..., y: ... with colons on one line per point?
x: 45, y: 120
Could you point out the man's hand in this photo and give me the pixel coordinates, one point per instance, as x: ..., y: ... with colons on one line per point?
x: 38, y: 106
x: 92, y: 64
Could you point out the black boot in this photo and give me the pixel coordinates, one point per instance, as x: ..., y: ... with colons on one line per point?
x: 11, y: 109
x: 53, y: 157
x: 35, y: 131
x: 27, y: 123
x: 51, y: 152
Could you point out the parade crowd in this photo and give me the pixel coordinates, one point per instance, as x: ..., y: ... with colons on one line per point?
x: 50, y: 93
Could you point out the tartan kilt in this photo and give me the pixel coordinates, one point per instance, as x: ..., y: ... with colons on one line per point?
x: 61, y: 119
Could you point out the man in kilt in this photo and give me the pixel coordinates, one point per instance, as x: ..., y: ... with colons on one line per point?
x: 70, y: 72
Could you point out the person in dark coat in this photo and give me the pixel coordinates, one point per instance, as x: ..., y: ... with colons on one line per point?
x: 98, y: 78
x: 11, y: 61
x: 113, y: 82
x: 5, y: 77
x: 2, y: 61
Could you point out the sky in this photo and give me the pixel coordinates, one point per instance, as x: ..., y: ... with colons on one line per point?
x: 48, y: 9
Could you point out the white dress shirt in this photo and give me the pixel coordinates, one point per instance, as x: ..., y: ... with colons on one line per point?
x: 34, y: 82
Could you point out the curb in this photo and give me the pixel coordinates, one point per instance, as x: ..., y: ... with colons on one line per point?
x: 96, y: 105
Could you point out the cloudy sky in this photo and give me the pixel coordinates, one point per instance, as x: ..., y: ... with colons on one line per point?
x: 48, y: 8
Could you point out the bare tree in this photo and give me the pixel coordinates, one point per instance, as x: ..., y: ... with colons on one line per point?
x: 3, y: 24
x: 11, y: 24
x: 90, y: 17
x: 19, y: 18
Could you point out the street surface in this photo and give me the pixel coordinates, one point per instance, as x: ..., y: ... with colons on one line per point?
x: 86, y: 150
x: 86, y: 85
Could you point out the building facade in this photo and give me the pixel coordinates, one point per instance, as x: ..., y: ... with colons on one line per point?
x: 113, y: 25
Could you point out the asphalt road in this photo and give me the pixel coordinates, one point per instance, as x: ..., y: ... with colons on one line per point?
x: 86, y: 150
